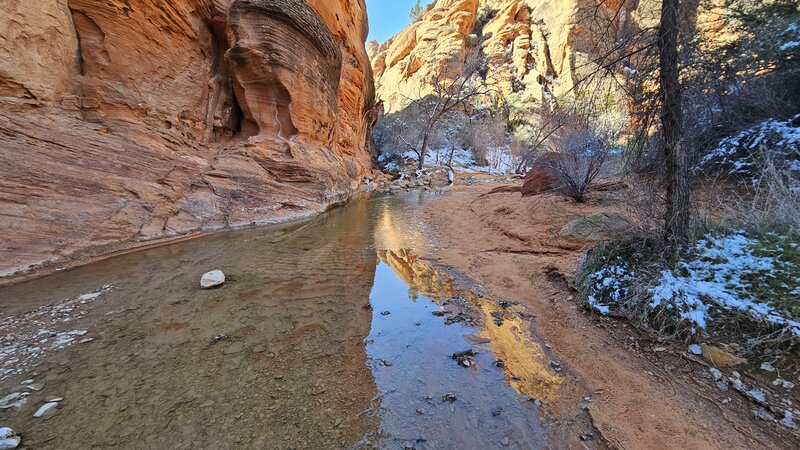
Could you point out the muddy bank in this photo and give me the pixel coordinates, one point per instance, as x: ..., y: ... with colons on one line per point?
x: 642, y: 396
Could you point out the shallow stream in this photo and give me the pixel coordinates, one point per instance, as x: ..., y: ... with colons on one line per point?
x: 329, y: 333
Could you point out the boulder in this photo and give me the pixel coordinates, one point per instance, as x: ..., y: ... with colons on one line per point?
x: 595, y: 227
x: 542, y: 177
x: 212, y: 279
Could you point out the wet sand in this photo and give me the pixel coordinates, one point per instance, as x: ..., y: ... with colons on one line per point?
x: 640, y: 398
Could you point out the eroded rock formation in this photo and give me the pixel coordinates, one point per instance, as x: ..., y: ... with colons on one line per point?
x: 123, y: 120
x: 535, y: 49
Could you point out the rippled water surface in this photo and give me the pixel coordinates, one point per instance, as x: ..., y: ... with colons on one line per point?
x: 331, y: 333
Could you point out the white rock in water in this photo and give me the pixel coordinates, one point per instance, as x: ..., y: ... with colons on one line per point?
x: 44, y: 409
x: 8, y: 439
x: 696, y: 349
x: 767, y: 367
x: 212, y: 279
x: 16, y: 400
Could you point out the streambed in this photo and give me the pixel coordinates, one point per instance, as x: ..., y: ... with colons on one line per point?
x: 330, y: 333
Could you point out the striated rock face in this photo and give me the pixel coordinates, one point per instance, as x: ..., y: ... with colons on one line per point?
x: 535, y: 48
x: 125, y: 120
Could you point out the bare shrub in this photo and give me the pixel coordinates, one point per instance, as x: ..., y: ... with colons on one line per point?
x: 583, y: 152
x: 771, y: 204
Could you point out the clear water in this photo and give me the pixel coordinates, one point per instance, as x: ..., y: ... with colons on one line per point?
x: 323, y: 337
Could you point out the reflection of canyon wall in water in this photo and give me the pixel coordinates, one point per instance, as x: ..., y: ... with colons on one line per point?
x: 524, y: 360
x: 122, y: 120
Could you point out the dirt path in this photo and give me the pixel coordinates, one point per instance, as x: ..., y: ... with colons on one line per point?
x: 640, y: 398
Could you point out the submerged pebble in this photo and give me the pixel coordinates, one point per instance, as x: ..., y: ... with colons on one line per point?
x: 8, y: 439
x: 45, y: 409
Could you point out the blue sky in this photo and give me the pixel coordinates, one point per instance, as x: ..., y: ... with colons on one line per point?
x: 388, y: 17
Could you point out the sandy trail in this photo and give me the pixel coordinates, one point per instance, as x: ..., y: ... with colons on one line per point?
x: 640, y: 398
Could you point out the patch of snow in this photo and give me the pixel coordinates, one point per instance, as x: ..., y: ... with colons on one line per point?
x: 718, y: 278
x: 610, y: 283
x: 736, y: 155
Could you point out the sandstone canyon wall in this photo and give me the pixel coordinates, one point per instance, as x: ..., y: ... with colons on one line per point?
x: 127, y: 120
x: 535, y: 48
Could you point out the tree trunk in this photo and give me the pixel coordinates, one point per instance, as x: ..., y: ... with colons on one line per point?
x: 677, y: 212
x: 423, y: 152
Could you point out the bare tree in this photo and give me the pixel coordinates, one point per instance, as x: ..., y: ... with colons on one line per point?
x: 676, y: 233
x: 449, y: 93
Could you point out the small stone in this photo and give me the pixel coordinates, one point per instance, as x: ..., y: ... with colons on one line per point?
x: 696, y: 349
x: 420, y: 411
x: 387, y: 363
x: 757, y: 395
x: 45, y: 409
x: 505, y: 441
x: 763, y: 414
x: 449, y: 397
x: 716, y: 374
x: 788, y: 420
x: 212, y: 279
x: 15, y: 400
x: 259, y: 349
x: 53, y: 398
x: 8, y: 439
x: 236, y: 347
x: 27, y: 382
x: 36, y: 387
x: 767, y: 367
x: 85, y: 341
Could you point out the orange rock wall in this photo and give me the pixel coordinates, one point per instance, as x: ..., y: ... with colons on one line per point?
x: 124, y: 120
x: 535, y: 48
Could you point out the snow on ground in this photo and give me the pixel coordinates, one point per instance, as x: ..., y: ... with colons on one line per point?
x: 30, y: 335
x: 735, y: 154
x: 792, y: 33
x: 718, y: 277
x: 610, y: 286
x: 500, y: 162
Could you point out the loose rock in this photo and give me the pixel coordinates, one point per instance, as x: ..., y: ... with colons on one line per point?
x: 15, y: 400
x: 767, y: 367
x: 212, y: 279
x: 45, y: 409
x: 8, y: 439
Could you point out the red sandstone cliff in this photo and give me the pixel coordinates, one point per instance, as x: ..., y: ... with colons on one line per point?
x: 123, y: 120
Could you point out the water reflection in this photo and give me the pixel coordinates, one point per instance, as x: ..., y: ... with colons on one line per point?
x: 288, y: 354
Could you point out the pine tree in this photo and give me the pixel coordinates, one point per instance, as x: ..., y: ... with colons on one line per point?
x: 416, y: 12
